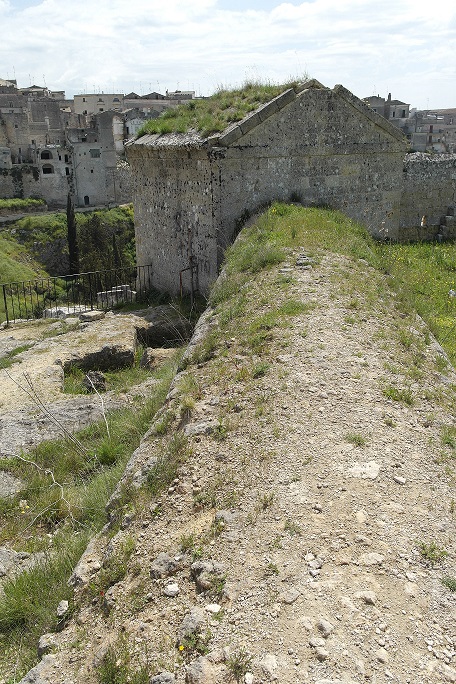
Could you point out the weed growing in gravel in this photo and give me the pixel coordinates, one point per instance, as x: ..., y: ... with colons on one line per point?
x: 292, y: 527
x: 217, y: 586
x: 389, y: 421
x: 118, y: 666
x: 402, y: 394
x: 432, y: 553
x: 114, y: 569
x: 220, y: 432
x: 449, y: 583
x: 441, y: 363
x: 266, y: 500
x: 271, y: 569
x: 448, y: 436
x: 239, y: 663
x: 260, y: 369
x: 356, y: 439
x: 195, y: 644
x: 165, y: 469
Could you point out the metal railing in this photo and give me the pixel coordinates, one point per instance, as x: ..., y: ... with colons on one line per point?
x: 61, y: 296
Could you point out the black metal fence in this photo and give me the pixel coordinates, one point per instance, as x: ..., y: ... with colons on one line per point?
x: 72, y: 294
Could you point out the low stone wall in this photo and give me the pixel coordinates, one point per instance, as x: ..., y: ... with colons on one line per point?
x: 429, y: 190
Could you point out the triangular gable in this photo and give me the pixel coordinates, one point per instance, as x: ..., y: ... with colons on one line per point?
x: 240, y: 128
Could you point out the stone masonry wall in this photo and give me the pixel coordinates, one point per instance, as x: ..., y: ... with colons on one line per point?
x: 429, y: 189
x: 316, y: 146
x: 173, y: 215
x: 320, y: 150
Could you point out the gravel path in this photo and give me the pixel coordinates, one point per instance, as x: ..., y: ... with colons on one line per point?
x: 324, y: 489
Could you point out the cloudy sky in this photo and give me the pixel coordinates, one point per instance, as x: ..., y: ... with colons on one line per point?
x: 406, y: 47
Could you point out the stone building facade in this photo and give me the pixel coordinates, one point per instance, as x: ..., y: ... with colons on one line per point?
x: 310, y: 144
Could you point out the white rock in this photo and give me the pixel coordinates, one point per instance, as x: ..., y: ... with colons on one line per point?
x: 62, y: 608
x: 213, y: 608
x: 368, y: 597
x: 411, y: 589
x: 321, y: 653
x: 171, y: 589
x: 366, y: 471
x: 325, y: 627
x: 316, y: 642
x: 248, y: 678
x: 399, y: 480
x: 289, y: 596
x: 382, y: 655
x: 371, y: 559
x: 269, y: 664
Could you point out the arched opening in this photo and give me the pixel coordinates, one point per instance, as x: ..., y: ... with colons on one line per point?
x: 86, y: 200
x: 45, y: 154
x: 47, y: 169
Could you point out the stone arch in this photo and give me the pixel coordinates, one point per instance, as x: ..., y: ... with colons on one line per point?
x: 47, y: 169
x: 46, y: 154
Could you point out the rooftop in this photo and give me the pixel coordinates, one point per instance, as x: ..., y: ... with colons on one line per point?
x: 205, y: 116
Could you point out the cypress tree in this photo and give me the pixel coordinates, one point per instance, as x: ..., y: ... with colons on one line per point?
x: 73, y: 250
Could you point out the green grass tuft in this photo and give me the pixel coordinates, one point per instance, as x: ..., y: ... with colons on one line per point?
x: 214, y: 114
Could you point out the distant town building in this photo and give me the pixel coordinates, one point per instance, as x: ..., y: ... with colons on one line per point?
x: 89, y: 103
x: 51, y: 145
x: 427, y: 131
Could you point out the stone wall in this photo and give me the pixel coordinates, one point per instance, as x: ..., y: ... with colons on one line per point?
x: 324, y: 148
x: 429, y: 189
x: 20, y: 181
x: 314, y: 145
x: 174, y: 215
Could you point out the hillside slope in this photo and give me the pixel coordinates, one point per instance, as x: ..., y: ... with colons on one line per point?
x: 300, y: 482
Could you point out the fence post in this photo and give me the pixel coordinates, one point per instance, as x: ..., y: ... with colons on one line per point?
x: 6, y: 305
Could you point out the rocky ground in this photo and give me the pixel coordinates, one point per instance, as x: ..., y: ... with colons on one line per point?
x: 33, y: 404
x: 307, y: 532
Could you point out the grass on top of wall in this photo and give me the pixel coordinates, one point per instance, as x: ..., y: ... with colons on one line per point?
x: 215, y: 113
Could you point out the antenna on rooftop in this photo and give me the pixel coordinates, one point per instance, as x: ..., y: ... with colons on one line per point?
x: 44, y: 81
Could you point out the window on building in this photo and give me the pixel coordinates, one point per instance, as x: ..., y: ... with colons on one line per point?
x: 48, y: 169
x: 67, y: 171
x: 45, y: 154
x: 67, y: 159
x: 100, y: 109
x: 403, y: 113
x: 86, y: 200
x: 83, y: 99
x: 115, y: 99
x: 95, y: 154
x: 394, y: 114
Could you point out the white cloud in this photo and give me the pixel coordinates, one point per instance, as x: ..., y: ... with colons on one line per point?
x: 398, y: 46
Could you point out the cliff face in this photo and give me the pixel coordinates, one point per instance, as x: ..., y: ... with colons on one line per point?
x: 289, y: 516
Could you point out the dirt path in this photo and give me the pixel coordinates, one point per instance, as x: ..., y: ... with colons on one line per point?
x: 326, y: 485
